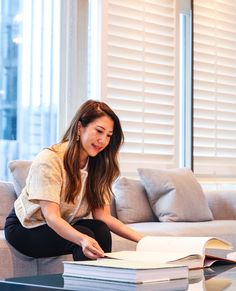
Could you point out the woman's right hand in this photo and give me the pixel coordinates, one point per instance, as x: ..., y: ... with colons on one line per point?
x: 91, y: 248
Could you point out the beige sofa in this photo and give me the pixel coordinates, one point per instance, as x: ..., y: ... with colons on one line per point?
x: 130, y: 205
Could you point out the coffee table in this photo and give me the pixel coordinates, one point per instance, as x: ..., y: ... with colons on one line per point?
x: 217, y: 278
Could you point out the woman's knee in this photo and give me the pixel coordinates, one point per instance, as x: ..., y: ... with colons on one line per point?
x: 84, y: 230
x: 103, y: 235
x: 100, y: 232
x: 100, y: 225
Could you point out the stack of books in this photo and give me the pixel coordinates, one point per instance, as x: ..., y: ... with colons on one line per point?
x: 124, y: 271
x: 159, y: 263
x: 124, y: 275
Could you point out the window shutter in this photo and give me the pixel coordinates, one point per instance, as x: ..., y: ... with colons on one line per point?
x: 138, y: 79
x: 215, y: 90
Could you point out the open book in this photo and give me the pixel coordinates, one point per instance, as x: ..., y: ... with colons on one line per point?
x: 189, y: 251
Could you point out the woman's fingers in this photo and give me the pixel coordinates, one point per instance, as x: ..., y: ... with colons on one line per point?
x: 91, y: 248
x: 96, y: 250
x: 93, y: 253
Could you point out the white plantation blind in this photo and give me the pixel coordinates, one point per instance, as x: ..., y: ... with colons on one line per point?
x: 138, y: 79
x: 215, y: 90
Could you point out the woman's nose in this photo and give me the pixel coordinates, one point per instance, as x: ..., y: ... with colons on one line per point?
x: 103, y: 140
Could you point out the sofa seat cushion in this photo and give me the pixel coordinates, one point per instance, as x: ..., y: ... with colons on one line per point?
x: 17, y: 265
x: 52, y: 265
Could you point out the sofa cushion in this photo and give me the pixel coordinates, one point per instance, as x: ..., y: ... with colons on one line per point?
x: 15, y: 264
x: 175, y: 195
x: 19, y: 170
x: 131, y: 201
x: 8, y: 196
x: 222, y: 203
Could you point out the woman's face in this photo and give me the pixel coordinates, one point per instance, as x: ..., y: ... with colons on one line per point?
x: 95, y: 136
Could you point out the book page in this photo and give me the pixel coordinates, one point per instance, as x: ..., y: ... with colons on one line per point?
x: 221, y: 244
x: 123, y: 264
x: 156, y: 256
x: 182, y: 245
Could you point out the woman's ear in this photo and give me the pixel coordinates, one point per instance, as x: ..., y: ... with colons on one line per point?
x: 79, y: 125
x: 78, y: 131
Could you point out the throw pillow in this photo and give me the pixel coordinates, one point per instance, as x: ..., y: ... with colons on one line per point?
x: 175, y: 195
x: 19, y: 170
x: 131, y: 201
x: 8, y: 197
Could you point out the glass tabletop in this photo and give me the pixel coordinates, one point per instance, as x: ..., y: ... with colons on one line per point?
x: 215, y: 278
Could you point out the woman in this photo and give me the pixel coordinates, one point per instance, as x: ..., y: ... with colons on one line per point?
x: 66, y: 182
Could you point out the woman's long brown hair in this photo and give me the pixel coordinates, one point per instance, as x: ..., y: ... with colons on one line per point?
x: 103, y: 169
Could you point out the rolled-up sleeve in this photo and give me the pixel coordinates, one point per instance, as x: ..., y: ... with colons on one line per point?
x: 45, y: 180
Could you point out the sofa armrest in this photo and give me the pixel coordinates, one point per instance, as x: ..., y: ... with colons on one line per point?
x: 7, y: 198
x: 222, y: 204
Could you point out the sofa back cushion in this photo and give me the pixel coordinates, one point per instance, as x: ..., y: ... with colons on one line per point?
x: 8, y: 196
x: 222, y: 203
x: 131, y: 201
x: 175, y: 195
x: 19, y: 170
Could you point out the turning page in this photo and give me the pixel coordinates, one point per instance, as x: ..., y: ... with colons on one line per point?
x: 180, y: 244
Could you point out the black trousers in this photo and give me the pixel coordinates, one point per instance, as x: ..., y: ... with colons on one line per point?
x: 42, y: 241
